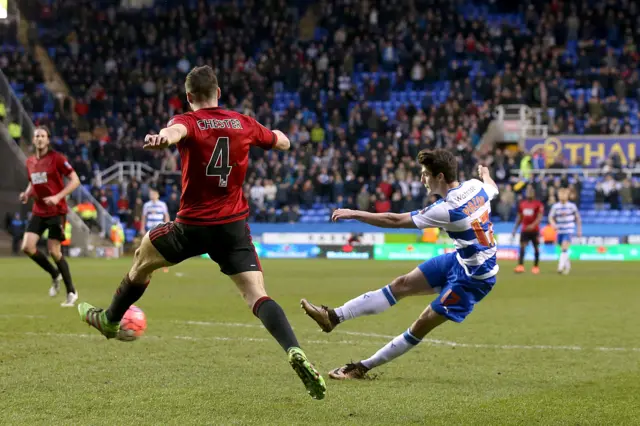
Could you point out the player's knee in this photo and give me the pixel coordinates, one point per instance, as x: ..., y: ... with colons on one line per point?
x: 55, y: 252
x: 28, y: 249
x: 401, y: 287
x: 427, y: 321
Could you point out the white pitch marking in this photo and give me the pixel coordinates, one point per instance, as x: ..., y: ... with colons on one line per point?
x: 438, y: 342
x: 435, y: 342
x: 192, y: 338
x: 6, y: 316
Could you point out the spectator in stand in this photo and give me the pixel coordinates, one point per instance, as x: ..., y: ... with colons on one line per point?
x: 610, y: 189
x: 506, y: 203
x: 599, y: 197
x: 626, y: 194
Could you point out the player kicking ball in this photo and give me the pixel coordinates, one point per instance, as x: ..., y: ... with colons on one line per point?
x: 530, y: 214
x: 461, y: 279
x: 565, y: 219
x: 214, y: 148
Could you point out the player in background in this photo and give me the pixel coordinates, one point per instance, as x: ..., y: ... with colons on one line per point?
x: 46, y: 170
x: 530, y: 214
x: 154, y: 212
x: 461, y: 279
x: 213, y: 144
x: 565, y: 219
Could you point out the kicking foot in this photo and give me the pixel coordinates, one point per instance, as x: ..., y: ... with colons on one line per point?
x: 55, y: 285
x: 71, y: 300
x: 519, y: 269
x: 311, y: 378
x: 97, y: 318
x: 535, y: 270
x: 350, y: 371
x: 321, y: 315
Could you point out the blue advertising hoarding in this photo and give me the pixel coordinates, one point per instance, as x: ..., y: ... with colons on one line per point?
x: 587, y: 151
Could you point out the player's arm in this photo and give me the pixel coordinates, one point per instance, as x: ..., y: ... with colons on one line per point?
x: 538, y: 220
x: 518, y: 221
x: 269, y: 139
x: 168, y: 136
x: 72, y: 184
x: 282, y: 141
x: 381, y: 220
x: 485, y: 175
x: 578, y: 223
x: 24, y: 196
x: 552, y: 215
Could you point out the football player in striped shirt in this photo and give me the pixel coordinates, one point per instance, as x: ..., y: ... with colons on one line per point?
x: 461, y: 279
x: 565, y: 218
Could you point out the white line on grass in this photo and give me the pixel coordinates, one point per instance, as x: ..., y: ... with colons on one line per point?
x: 6, y: 316
x: 192, y: 338
x: 436, y: 342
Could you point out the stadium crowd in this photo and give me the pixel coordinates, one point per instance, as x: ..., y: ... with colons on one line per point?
x: 379, y: 81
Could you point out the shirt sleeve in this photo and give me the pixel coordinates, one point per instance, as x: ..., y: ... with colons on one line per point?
x: 185, y: 121
x: 145, y: 207
x: 491, y: 190
x: 552, y: 212
x: 434, y: 216
x: 63, y: 166
x: 262, y: 137
x: 165, y: 209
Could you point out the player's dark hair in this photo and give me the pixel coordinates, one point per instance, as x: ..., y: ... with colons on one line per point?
x: 439, y: 161
x: 202, y: 83
x: 46, y: 130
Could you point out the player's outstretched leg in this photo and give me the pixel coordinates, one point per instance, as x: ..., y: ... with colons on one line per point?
x: 428, y: 320
x: 146, y: 260
x: 29, y: 242
x: 370, y: 303
x: 55, y: 250
x: 251, y: 285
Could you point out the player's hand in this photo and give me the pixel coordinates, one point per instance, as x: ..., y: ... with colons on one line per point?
x: 52, y: 200
x: 155, y: 142
x: 24, y: 198
x: 343, y: 214
x: 482, y: 171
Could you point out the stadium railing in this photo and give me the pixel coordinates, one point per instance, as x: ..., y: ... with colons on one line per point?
x: 129, y: 169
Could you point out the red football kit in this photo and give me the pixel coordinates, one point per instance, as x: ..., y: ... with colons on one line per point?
x: 529, y: 211
x: 46, y: 177
x: 215, y: 156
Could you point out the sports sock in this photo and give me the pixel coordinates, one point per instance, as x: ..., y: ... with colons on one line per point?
x: 275, y: 321
x: 370, y: 303
x: 392, y: 350
x: 564, y: 257
x: 44, y: 263
x: 126, y: 295
x: 521, y: 256
x: 536, y: 253
x: 63, y: 267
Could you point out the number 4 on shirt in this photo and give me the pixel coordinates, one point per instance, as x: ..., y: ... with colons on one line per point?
x: 484, y: 238
x: 219, y: 161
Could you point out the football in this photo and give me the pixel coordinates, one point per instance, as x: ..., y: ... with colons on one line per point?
x: 132, y: 325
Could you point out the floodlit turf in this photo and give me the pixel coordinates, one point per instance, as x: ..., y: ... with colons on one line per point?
x: 544, y: 349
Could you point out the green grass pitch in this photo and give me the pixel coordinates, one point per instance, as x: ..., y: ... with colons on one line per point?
x: 544, y: 349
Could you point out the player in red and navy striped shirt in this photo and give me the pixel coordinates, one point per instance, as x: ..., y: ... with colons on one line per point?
x: 214, y: 148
